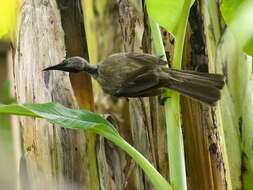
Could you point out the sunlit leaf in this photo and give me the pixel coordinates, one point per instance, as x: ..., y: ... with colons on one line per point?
x: 192, y: 1
x: 248, y: 48
x: 229, y: 9
x: 8, y: 15
x: 168, y: 14
x: 165, y: 12
x: 238, y: 16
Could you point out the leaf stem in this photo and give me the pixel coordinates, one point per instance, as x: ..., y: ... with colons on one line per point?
x: 172, y: 104
x: 75, y: 119
x: 155, y: 177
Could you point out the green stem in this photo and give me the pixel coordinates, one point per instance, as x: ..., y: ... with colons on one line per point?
x: 53, y: 115
x: 173, y: 127
x: 180, y: 36
x: 154, y: 176
x: 172, y: 104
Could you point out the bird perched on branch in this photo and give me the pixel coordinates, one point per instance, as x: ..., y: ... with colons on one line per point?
x: 143, y: 75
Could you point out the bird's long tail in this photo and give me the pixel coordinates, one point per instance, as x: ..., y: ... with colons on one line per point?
x: 202, y: 87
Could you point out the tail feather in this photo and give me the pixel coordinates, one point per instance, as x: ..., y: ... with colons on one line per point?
x: 211, y: 79
x: 202, y: 87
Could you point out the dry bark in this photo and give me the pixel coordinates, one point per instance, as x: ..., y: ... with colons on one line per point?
x: 204, y: 159
x: 53, y: 157
x: 110, y: 26
x: 147, y: 121
x: 103, y: 39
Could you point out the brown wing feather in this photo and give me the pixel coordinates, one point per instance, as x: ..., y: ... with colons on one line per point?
x: 138, y: 58
x: 143, y: 58
x: 135, y: 86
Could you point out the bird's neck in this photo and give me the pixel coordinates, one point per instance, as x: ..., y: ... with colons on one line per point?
x: 92, y: 69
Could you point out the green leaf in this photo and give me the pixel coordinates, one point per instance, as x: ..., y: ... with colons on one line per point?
x: 16, y: 110
x: 5, y: 96
x: 238, y: 16
x: 229, y: 9
x: 8, y: 14
x: 58, y: 114
x: 167, y: 13
x: 82, y: 119
x: 248, y: 48
x: 192, y: 1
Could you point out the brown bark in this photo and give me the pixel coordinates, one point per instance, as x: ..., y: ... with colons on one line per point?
x: 53, y: 157
x: 103, y: 39
x: 75, y: 41
x: 204, y: 160
x: 147, y: 121
x: 111, y: 25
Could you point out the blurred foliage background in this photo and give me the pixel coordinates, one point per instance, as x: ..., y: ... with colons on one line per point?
x: 8, y: 19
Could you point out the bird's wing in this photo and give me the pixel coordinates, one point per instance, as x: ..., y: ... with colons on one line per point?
x: 144, y: 59
x: 139, y: 59
x: 138, y: 83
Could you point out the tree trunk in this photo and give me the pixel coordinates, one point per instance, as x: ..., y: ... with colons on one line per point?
x: 200, y: 122
x: 123, y: 23
x: 53, y: 157
x: 146, y: 115
x: 103, y: 38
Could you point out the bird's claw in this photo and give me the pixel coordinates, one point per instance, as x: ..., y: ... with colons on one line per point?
x: 162, y: 98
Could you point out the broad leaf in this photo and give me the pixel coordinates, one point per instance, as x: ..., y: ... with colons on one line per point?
x: 229, y: 8
x: 8, y: 13
x: 165, y: 12
x: 82, y: 119
x: 248, y: 48
x: 237, y: 15
x: 168, y: 13
x: 58, y: 114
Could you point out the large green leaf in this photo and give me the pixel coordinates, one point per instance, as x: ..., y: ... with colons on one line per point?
x: 82, y: 119
x: 229, y: 9
x: 237, y: 15
x: 58, y: 114
x: 16, y: 110
x: 166, y: 12
x: 8, y: 13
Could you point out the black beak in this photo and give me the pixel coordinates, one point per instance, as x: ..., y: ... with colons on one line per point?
x: 63, y: 66
x: 55, y: 67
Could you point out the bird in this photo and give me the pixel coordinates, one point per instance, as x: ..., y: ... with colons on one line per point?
x: 144, y: 75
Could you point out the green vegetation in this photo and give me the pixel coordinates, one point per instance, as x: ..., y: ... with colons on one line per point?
x: 235, y: 107
x: 82, y: 119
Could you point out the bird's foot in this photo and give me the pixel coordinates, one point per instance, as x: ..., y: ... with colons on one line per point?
x: 162, y: 98
x: 161, y: 56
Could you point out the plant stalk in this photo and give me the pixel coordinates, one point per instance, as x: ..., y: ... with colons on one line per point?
x: 172, y: 113
x: 155, y: 177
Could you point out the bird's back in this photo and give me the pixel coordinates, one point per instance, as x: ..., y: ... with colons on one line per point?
x: 120, y: 67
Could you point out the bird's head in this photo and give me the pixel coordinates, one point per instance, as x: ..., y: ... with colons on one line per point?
x: 72, y: 64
